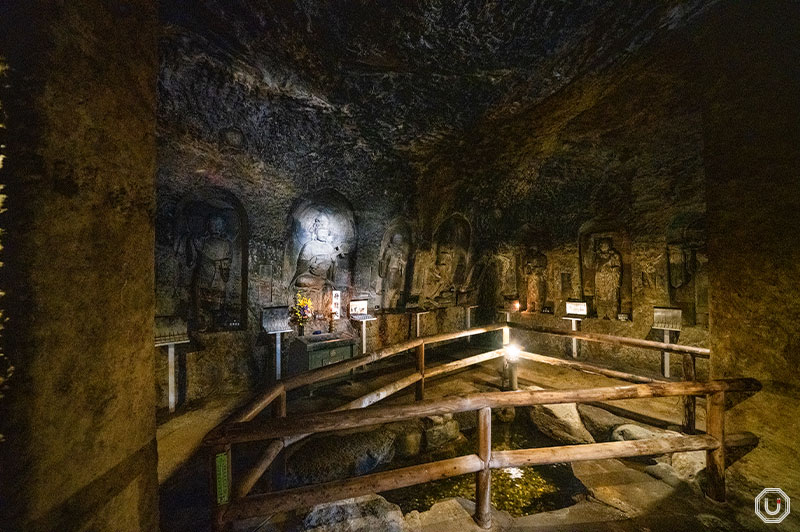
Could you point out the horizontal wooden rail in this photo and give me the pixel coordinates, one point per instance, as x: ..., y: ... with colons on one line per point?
x: 276, y: 428
x: 252, y: 476
x: 306, y: 496
x: 700, y: 352
x: 601, y: 451
x: 586, y: 367
x: 262, y: 400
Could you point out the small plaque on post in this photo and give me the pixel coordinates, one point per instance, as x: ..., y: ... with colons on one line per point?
x: 667, y: 318
x: 275, y: 319
x: 577, y: 309
x: 358, y: 310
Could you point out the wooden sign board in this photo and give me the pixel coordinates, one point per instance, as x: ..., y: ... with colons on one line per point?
x: 577, y: 308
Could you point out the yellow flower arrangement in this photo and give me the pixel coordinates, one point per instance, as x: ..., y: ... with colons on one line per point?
x: 301, y: 311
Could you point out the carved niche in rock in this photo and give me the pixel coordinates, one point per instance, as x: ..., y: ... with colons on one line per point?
x: 211, y: 249
x: 320, y: 249
x: 687, y: 267
x: 497, y: 285
x: 441, y: 273
x: 535, y: 272
x: 393, y: 265
x: 605, y: 258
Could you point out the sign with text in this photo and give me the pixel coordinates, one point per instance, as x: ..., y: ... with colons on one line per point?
x: 577, y: 308
x: 336, y: 305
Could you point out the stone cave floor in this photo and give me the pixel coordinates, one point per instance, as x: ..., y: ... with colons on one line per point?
x: 603, y: 495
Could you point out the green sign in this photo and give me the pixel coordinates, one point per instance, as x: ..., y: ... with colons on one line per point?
x: 223, y: 493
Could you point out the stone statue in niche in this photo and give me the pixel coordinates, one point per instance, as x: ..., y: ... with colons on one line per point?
x: 605, y: 274
x: 211, y: 259
x: 608, y: 279
x: 316, y: 261
x: 318, y: 254
x: 392, y: 268
x: 448, y: 273
x: 536, y: 280
x: 686, y: 265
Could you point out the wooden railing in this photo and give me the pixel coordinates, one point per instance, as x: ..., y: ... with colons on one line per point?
x: 233, y: 501
x: 690, y: 355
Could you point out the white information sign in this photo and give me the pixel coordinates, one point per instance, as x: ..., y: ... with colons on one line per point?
x: 577, y: 308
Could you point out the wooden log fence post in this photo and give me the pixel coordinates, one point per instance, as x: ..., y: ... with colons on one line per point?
x: 278, y: 473
x: 221, y: 483
x: 420, y: 390
x: 279, y: 406
x: 483, y: 478
x: 689, y: 401
x: 715, y: 458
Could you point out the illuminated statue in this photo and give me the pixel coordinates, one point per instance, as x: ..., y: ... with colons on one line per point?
x: 608, y: 279
x: 316, y: 265
x: 211, y: 258
x: 392, y: 268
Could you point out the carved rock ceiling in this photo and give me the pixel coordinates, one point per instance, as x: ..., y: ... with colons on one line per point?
x: 370, y: 95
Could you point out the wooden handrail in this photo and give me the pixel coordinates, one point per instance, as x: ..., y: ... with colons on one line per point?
x: 276, y: 446
x: 331, y: 421
x: 586, y: 367
x: 700, y: 352
x: 307, y: 496
x: 263, y: 399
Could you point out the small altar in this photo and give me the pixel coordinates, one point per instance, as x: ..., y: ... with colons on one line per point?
x: 317, y: 350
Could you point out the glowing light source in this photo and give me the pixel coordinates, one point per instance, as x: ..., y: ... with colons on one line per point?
x: 512, y: 352
x: 514, y: 472
x: 516, y: 305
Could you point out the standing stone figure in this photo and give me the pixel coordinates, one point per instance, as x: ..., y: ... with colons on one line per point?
x: 536, y: 272
x: 608, y: 279
x: 211, y: 256
x: 392, y: 269
x: 315, y: 266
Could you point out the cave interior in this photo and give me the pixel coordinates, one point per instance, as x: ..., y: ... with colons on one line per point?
x: 318, y: 266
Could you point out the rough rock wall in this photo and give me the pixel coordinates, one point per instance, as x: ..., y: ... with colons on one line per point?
x: 751, y: 137
x: 396, y: 107
x: 79, y: 100
x: 623, y: 144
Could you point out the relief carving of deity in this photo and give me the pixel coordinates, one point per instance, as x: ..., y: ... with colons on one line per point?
x: 316, y: 265
x: 392, y: 269
x: 210, y: 257
x: 608, y: 279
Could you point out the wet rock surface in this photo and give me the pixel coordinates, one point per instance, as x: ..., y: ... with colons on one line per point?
x: 561, y: 422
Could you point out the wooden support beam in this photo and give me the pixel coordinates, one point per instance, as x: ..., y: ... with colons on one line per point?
x: 689, y: 401
x: 600, y: 451
x: 587, y: 367
x: 279, y: 406
x: 420, y: 392
x: 250, y: 478
x: 260, y: 403
x: 700, y: 352
x: 325, y: 422
x: 456, y: 365
x: 483, y: 478
x: 715, y: 458
x: 307, y: 496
